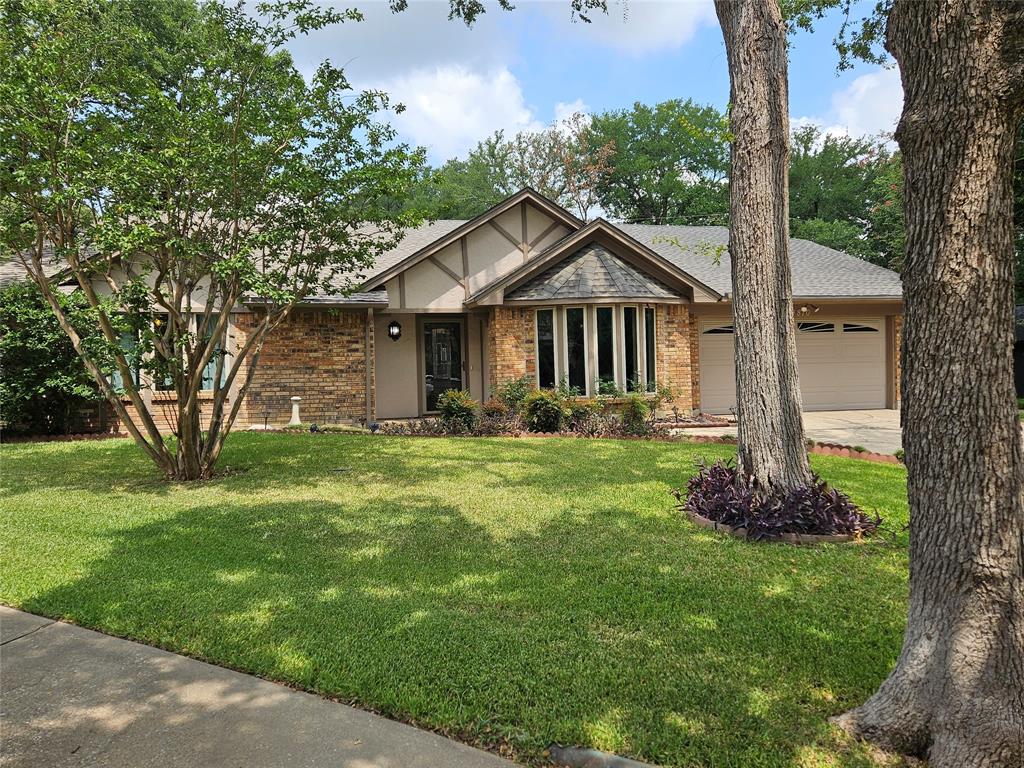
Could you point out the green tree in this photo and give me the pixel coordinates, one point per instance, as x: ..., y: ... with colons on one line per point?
x: 671, y: 163
x: 42, y: 380
x: 178, y: 163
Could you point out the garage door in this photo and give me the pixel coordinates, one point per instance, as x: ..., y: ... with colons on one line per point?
x: 842, y: 364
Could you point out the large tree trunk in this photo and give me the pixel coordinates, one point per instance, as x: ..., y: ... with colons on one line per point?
x: 957, y: 692
x: 771, y: 431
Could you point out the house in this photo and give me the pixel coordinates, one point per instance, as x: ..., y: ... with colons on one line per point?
x: 528, y: 289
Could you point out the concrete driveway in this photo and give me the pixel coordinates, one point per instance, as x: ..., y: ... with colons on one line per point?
x: 878, y: 431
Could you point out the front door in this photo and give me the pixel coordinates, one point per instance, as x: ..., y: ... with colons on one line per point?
x: 442, y: 347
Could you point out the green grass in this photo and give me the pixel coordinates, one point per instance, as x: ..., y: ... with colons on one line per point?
x: 507, y: 592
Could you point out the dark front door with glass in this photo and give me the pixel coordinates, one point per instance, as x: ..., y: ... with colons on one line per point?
x: 442, y: 346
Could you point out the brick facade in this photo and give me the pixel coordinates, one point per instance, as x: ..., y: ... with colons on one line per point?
x: 674, y: 353
x: 319, y: 355
x: 510, y: 345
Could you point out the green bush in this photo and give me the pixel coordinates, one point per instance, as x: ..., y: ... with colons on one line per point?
x: 635, y: 415
x: 513, y: 393
x: 543, y: 411
x: 44, y: 383
x: 585, y: 418
x: 458, y: 410
x: 607, y: 388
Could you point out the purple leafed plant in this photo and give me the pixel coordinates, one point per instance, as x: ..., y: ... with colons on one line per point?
x: 718, y: 492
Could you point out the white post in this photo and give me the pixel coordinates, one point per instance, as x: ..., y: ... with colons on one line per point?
x: 295, y: 412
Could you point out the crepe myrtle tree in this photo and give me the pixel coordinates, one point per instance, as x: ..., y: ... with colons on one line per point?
x: 173, y: 163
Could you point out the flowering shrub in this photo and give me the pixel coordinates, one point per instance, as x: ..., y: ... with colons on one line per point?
x: 718, y: 492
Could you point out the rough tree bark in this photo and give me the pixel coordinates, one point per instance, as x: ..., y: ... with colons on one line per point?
x: 956, y: 694
x: 771, y: 431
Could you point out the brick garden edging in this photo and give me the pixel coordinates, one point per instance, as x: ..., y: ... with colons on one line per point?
x: 785, y: 538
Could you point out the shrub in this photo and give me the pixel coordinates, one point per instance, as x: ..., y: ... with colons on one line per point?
x: 44, y: 383
x: 635, y: 415
x: 607, y: 388
x: 496, y: 418
x: 457, y: 410
x: 543, y: 411
x: 583, y: 417
x: 718, y: 492
x: 513, y: 393
x: 899, y: 454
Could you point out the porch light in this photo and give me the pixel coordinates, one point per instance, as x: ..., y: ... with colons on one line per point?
x: 806, y: 309
x: 394, y: 330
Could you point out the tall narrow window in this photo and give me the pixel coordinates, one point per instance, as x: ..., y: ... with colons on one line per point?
x: 649, y: 354
x: 210, y: 371
x: 576, y: 348
x: 630, y: 330
x: 128, y: 340
x: 163, y: 365
x: 546, y: 348
x: 605, y: 347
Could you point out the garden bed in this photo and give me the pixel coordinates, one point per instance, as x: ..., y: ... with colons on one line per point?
x: 785, y: 538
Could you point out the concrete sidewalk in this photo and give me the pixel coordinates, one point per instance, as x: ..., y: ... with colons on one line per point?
x: 73, y: 697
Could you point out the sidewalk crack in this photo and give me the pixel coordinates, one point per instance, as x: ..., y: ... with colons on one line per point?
x: 30, y: 632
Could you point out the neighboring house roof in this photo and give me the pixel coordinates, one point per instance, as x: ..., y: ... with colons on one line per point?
x: 818, y: 271
x: 592, y: 272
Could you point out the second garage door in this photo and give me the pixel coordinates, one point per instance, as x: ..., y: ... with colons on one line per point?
x: 842, y: 364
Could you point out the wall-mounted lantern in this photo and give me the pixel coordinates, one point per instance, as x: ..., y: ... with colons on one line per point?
x: 394, y: 330
x: 807, y: 309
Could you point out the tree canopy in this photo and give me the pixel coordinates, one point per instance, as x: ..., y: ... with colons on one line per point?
x: 177, y: 161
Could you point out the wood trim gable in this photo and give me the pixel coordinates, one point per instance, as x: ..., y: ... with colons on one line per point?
x: 526, y: 196
x: 598, y: 229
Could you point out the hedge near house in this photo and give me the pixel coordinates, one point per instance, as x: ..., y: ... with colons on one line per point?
x: 43, y: 383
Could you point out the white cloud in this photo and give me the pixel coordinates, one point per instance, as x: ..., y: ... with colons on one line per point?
x: 448, y: 109
x: 639, y: 26
x: 870, y: 104
x: 565, y: 110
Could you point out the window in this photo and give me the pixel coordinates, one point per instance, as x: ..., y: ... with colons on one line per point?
x: 576, y: 348
x: 649, y: 349
x: 211, y: 367
x: 720, y: 329
x: 605, y: 345
x: 816, y: 327
x: 546, y: 348
x: 630, y: 331
x: 129, y: 342
x: 858, y: 328
x: 162, y: 378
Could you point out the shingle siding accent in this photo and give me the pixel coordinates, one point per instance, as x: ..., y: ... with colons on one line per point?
x: 592, y: 272
x: 510, y: 345
x: 319, y: 355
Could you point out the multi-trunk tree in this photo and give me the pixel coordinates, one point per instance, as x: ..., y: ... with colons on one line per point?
x: 175, y: 165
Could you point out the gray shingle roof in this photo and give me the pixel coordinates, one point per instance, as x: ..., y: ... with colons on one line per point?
x: 589, y: 273
x: 12, y: 270
x: 817, y: 271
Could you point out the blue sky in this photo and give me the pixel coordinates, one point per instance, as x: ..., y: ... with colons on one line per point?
x: 520, y: 70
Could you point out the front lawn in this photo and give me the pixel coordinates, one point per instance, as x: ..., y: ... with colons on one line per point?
x: 507, y: 592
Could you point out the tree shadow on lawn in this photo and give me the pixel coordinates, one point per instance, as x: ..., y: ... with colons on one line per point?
x: 634, y: 633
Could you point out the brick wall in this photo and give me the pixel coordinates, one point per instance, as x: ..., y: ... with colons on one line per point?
x: 510, y: 345
x: 319, y: 355
x: 673, y: 351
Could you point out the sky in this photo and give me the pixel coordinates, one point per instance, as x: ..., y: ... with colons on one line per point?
x: 522, y: 69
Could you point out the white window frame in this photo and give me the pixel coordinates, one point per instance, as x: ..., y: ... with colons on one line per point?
x: 639, y: 347
x: 586, y: 345
x: 647, y: 377
x: 554, y: 343
x: 616, y: 336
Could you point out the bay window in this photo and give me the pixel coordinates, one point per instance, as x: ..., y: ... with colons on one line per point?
x: 598, y: 349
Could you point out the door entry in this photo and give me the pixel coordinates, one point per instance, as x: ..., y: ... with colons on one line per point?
x: 442, y: 347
